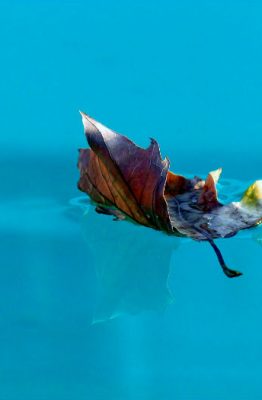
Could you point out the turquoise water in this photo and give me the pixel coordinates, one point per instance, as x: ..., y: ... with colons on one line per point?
x: 96, y: 309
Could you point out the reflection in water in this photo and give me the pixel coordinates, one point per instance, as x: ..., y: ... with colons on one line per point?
x: 132, y: 262
x: 132, y: 265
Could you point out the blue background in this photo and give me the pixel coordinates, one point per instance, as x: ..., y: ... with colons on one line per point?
x: 188, y: 74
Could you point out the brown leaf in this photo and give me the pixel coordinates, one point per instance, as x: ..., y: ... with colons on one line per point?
x: 116, y: 172
x: 128, y: 181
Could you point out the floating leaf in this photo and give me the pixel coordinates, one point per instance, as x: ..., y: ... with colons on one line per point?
x: 127, y: 181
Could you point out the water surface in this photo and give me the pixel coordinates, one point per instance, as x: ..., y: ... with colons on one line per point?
x: 96, y: 309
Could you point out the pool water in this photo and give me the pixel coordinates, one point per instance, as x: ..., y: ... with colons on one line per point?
x: 91, y: 308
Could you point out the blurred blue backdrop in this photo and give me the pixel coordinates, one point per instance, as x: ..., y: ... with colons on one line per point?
x: 188, y: 74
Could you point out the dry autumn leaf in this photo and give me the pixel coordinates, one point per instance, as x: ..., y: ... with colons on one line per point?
x: 127, y: 181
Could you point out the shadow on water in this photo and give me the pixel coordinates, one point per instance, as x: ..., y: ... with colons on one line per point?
x: 132, y: 265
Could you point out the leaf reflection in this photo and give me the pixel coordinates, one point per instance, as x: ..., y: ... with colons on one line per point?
x: 132, y: 266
